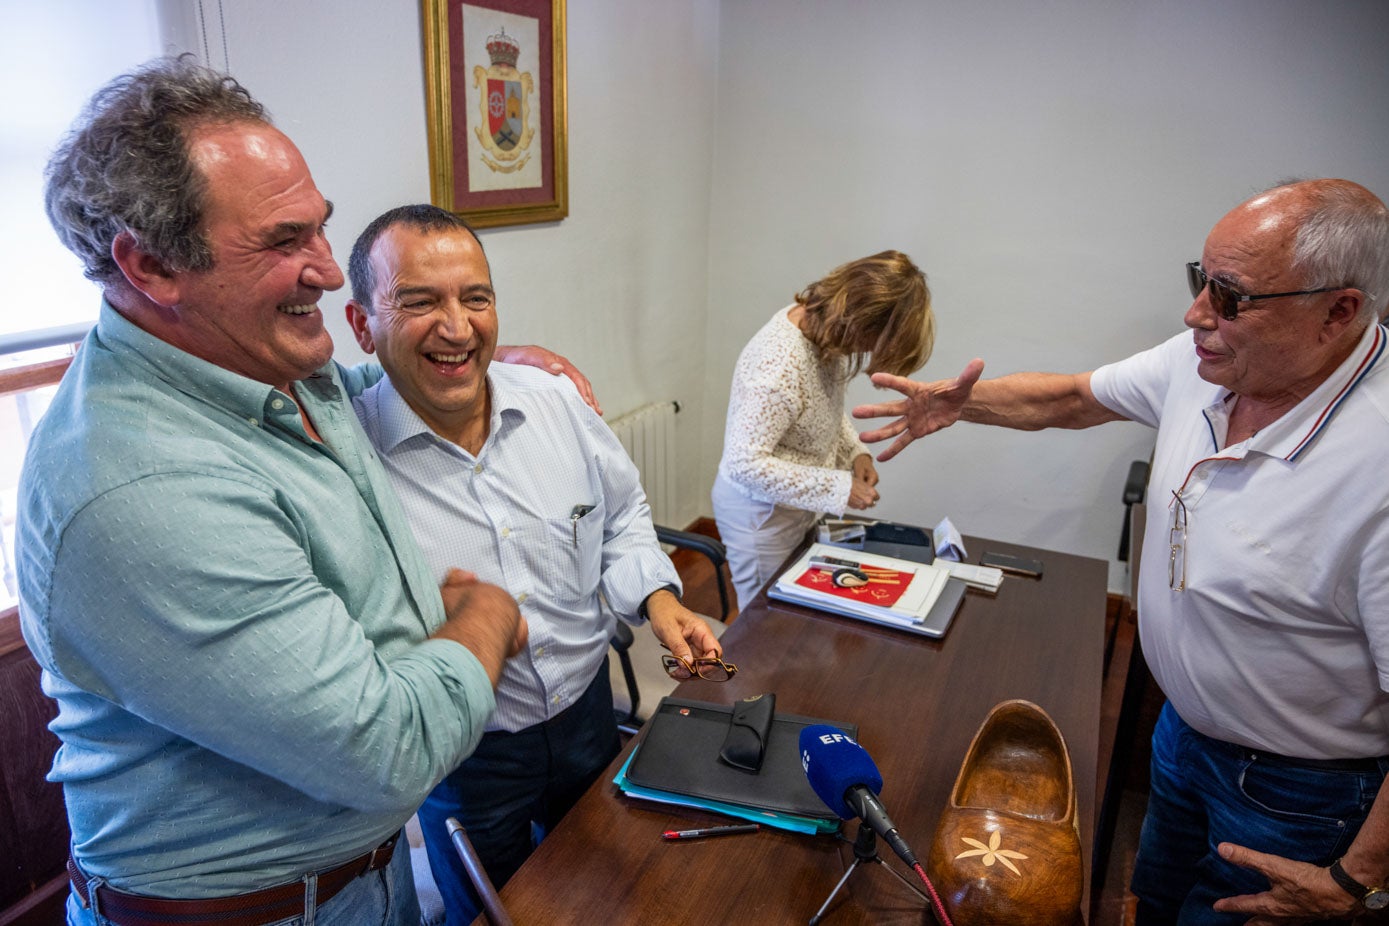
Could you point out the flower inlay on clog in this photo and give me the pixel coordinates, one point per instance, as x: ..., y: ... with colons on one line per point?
x: 992, y: 853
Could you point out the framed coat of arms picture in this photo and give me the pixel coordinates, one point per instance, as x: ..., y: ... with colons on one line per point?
x: 496, y: 108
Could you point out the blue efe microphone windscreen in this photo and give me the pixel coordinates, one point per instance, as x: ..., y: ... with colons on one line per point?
x: 834, y: 763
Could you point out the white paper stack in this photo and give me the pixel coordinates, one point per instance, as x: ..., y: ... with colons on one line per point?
x: 926, y: 606
x: 982, y: 577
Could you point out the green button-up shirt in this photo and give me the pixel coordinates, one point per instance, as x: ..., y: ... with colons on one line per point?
x: 232, y: 618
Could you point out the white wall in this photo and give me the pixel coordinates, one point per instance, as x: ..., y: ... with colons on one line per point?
x: 44, y: 285
x: 1050, y: 165
x: 620, y: 287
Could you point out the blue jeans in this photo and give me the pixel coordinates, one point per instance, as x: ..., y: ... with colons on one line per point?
x: 378, y: 898
x: 1204, y: 792
x: 513, y: 789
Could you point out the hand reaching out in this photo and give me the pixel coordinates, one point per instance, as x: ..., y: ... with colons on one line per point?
x: 927, y: 407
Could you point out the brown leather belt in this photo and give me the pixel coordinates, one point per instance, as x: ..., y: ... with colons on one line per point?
x: 253, y: 909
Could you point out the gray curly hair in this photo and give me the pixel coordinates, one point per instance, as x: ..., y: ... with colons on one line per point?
x: 124, y: 165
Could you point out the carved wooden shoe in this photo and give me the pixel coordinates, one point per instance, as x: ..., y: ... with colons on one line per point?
x: 1007, y: 850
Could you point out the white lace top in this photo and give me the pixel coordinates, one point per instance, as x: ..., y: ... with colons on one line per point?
x: 788, y: 439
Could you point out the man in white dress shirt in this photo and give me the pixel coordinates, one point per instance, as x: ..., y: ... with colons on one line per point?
x: 513, y: 476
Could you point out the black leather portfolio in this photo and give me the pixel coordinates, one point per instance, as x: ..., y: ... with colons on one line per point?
x: 679, y: 754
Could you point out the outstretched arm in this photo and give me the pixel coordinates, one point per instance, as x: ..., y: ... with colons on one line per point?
x: 926, y: 408
x: 1027, y: 401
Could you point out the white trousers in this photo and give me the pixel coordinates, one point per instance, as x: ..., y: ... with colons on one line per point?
x: 758, y: 536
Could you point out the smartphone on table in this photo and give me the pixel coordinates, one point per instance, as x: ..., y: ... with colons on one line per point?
x: 1017, y: 565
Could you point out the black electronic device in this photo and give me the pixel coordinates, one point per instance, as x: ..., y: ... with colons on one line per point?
x: 901, y: 541
x: 847, y: 780
x: 1018, y: 565
x: 833, y: 562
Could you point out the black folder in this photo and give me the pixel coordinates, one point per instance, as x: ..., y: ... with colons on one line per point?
x: 679, y: 754
x: 900, y: 541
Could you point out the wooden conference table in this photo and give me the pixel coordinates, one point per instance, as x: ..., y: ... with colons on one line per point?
x: 918, y: 703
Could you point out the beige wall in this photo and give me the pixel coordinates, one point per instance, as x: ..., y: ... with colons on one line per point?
x: 621, y: 285
x: 1051, y: 165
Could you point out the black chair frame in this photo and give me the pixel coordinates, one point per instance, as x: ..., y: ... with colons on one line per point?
x: 622, y: 638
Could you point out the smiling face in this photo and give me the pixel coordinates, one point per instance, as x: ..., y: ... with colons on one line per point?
x: 433, y: 325
x: 255, y: 311
x: 1274, y: 351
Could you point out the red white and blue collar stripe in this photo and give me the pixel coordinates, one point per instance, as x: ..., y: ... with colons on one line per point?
x: 1367, y: 363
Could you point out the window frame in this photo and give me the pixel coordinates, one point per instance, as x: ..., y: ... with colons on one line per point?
x: 25, y: 378
x: 30, y: 376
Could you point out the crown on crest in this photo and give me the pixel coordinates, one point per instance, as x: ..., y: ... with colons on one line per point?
x: 503, y: 49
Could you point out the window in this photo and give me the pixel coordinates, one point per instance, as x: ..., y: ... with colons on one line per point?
x: 27, y: 386
x: 56, y: 56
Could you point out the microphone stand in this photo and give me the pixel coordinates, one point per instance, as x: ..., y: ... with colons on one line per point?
x: 865, y: 850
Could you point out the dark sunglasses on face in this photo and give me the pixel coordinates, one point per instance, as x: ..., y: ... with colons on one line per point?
x: 1225, y: 300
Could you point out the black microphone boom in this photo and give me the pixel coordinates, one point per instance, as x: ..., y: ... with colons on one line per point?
x: 841, y: 772
x: 871, y: 811
x: 845, y: 777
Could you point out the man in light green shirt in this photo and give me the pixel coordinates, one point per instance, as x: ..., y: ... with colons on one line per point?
x: 258, y: 680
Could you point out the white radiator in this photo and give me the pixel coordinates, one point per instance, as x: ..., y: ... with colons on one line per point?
x: 648, y: 434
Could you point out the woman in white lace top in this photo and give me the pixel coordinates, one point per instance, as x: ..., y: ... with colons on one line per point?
x: 789, y: 450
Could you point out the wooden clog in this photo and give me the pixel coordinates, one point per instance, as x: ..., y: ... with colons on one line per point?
x: 1007, y: 848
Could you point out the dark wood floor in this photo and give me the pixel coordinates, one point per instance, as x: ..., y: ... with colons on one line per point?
x: 1114, y: 905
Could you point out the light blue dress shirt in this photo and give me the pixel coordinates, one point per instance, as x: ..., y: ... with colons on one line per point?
x: 233, y: 620
x: 512, y: 515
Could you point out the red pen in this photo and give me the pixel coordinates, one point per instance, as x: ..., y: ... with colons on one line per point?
x: 711, y: 831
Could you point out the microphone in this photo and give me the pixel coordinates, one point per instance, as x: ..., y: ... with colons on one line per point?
x: 844, y: 776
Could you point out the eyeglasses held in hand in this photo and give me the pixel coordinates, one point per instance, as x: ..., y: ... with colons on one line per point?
x: 1176, y: 537
x: 1226, y: 301
x: 709, y: 668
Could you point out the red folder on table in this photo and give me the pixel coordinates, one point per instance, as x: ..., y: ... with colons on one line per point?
x: 916, y: 597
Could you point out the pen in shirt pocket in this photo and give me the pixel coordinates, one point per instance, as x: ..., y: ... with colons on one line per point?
x: 574, y: 516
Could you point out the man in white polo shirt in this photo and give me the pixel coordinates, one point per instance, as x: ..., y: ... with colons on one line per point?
x: 1264, y: 597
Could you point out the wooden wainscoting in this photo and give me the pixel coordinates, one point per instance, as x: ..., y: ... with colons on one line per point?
x: 33, y: 821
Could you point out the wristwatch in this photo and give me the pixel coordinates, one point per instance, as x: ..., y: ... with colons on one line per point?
x: 1374, y: 898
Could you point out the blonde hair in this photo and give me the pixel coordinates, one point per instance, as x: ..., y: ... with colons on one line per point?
x: 875, y: 312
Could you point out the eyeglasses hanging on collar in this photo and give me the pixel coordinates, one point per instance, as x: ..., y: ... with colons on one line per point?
x: 1176, y: 538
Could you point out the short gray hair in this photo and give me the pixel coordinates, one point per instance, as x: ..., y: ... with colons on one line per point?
x: 124, y: 165
x: 422, y: 217
x: 1343, y: 240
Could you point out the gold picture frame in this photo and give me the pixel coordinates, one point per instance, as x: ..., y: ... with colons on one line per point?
x: 496, y: 107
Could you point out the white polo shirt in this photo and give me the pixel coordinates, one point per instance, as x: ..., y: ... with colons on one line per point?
x: 1280, y: 640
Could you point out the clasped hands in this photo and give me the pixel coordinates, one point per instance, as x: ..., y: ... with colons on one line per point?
x: 484, y: 618
x: 863, y: 493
